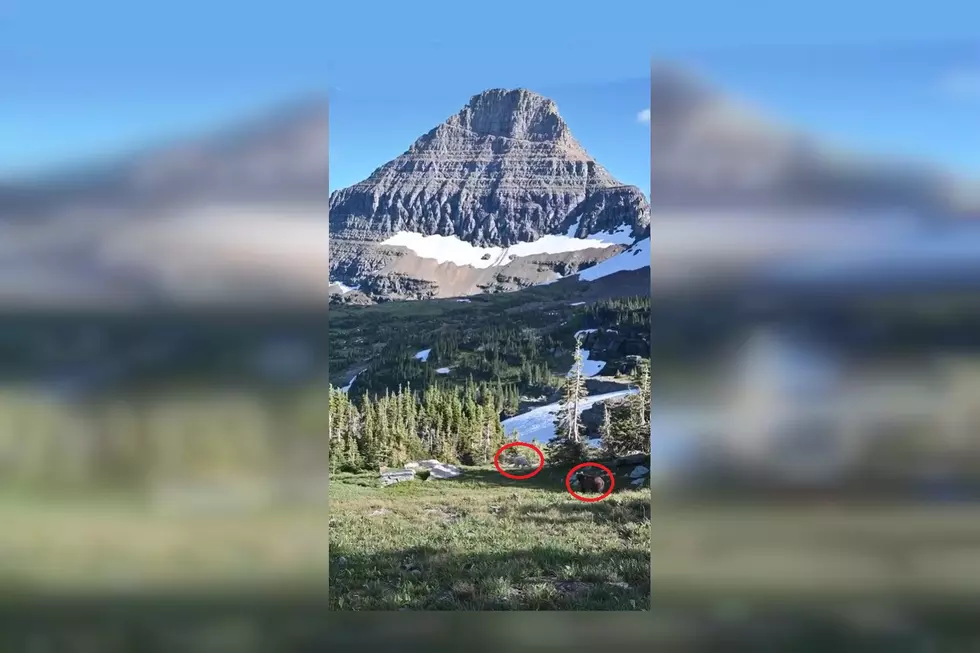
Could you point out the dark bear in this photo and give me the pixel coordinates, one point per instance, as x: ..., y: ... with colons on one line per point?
x: 591, y: 483
x: 598, y: 485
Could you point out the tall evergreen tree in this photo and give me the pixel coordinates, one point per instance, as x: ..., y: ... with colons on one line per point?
x: 640, y: 379
x: 605, y: 430
x: 629, y: 420
x: 568, y: 446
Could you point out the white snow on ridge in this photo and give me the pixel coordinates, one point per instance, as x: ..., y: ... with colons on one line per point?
x: 344, y: 289
x: 577, y: 304
x: 443, y: 370
x: 538, y: 424
x: 635, y: 258
x: 582, y: 332
x: 450, y: 249
x: 423, y: 355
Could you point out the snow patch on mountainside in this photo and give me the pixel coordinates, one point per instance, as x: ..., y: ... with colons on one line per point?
x: 621, y: 235
x: 423, y: 355
x: 635, y: 258
x: 344, y: 289
x: 539, y: 423
x: 450, y: 249
x: 589, y: 367
x: 350, y: 383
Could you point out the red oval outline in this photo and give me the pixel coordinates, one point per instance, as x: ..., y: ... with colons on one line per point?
x: 496, y: 460
x: 568, y: 482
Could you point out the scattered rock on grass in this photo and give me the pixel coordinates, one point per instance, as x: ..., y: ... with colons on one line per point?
x: 639, y: 471
x: 435, y: 468
x: 392, y: 476
x: 440, y: 470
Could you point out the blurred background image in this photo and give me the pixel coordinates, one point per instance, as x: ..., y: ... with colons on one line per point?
x: 163, y: 289
x: 164, y: 281
x: 815, y: 271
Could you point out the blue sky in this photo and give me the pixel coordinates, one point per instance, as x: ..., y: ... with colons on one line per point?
x: 83, y: 79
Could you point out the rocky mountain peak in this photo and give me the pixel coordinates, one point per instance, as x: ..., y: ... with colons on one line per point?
x: 517, y: 113
x: 504, y: 169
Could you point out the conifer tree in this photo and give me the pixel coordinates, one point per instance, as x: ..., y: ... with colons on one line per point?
x: 605, y: 431
x: 568, y: 445
x: 640, y: 379
x: 629, y: 420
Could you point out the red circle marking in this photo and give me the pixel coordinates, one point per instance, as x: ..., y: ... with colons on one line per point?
x: 496, y: 460
x: 568, y: 482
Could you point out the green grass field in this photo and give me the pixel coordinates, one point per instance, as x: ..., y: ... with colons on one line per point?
x: 485, y: 542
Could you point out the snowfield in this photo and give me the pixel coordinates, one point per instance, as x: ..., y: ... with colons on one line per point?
x: 450, y: 249
x: 635, y: 258
x: 423, y: 355
x: 344, y: 289
x: 443, y: 370
x: 350, y: 383
x: 589, y: 367
x: 539, y: 423
x: 618, y: 236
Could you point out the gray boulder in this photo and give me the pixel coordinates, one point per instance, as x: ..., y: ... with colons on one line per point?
x: 392, y: 476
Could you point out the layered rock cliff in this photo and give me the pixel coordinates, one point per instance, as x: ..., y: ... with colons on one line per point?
x: 504, y: 170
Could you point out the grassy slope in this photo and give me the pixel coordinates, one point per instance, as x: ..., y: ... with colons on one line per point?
x: 773, y: 574
x: 485, y: 542
x: 521, y: 552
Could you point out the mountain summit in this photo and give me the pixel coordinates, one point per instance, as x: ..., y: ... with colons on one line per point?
x: 519, y: 113
x: 503, y: 171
